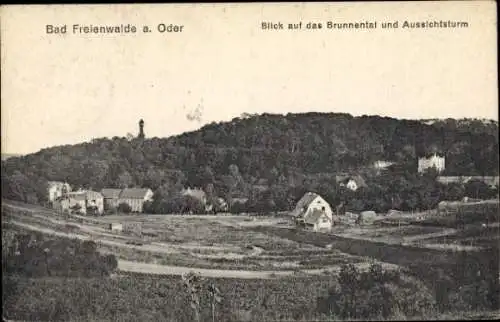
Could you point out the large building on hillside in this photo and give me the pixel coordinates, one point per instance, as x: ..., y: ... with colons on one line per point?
x: 313, y: 212
x: 135, y: 198
x: 435, y: 161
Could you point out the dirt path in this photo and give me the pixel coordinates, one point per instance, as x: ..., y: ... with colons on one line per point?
x: 146, y: 268
x: 151, y: 247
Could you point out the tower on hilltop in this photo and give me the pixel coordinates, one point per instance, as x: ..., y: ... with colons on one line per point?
x: 141, y: 129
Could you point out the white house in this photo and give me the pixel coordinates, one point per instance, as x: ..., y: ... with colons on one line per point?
x: 110, y: 197
x: 491, y: 181
x: 351, y: 182
x: 195, y: 193
x: 135, y: 198
x: 318, y: 221
x: 57, y: 189
x: 71, y: 201
x: 96, y: 200
x: 309, y: 207
x: 81, y: 200
x: 435, y: 161
x: 116, y: 227
x: 382, y: 164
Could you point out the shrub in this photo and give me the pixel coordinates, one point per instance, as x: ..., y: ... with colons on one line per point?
x: 238, y: 208
x: 124, y: 208
x: 33, y: 255
x: 376, y: 294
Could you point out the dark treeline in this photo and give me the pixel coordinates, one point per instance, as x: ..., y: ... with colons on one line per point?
x: 286, y: 155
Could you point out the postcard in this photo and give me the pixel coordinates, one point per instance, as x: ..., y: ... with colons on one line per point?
x: 250, y: 161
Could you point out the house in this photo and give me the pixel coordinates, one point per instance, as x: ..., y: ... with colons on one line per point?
x: 218, y: 205
x: 196, y: 193
x: 381, y: 164
x: 95, y: 200
x: 238, y: 200
x: 435, y: 161
x: 116, y: 227
x: 80, y: 201
x: 111, y: 197
x: 57, y: 189
x: 307, y: 205
x: 491, y: 181
x: 135, y: 198
x: 351, y: 182
x: 318, y: 220
x: 261, y: 185
x: 71, y: 201
x: 222, y: 205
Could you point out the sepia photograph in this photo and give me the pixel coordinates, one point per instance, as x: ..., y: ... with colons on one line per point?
x: 240, y: 162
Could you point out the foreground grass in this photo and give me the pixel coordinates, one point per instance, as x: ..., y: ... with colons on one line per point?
x: 148, y: 298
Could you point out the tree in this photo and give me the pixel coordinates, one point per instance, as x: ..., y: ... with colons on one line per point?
x: 124, y: 207
x: 478, y: 189
x: 125, y: 180
x: 453, y: 191
x: 291, y: 151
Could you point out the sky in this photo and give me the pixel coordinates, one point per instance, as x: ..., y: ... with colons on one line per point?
x: 69, y: 88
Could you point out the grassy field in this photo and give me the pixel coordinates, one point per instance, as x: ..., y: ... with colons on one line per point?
x: 392, y: 232
x: 218, y: 242
x: 253, y: 243
x: 472, y: 235
x: 458, y: 214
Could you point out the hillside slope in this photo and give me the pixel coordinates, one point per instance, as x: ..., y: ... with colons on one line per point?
x: 274, y: 148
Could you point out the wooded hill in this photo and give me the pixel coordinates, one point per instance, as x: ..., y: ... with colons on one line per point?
x: 256, y: 150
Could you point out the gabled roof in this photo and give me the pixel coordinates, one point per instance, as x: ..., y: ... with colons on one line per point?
x: 314, y: 216
x: 304, y: 202
x: 57, y: 184
x: 359, y: 181
x: 111, y: 193
x: 341, y: 178
x: 196, y: 193
x: 238, y: 200
x: 134, y: 193
x: 77, y: 196
x: 357, y: 178
x: 93, y: 194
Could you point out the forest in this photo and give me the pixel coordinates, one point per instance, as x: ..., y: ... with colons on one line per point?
x: 271, y: 160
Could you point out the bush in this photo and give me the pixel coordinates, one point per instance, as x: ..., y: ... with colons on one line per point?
x: 124, y: 208
x: 376, y: 294
x: 238, y: 208
x: 33, y: 255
